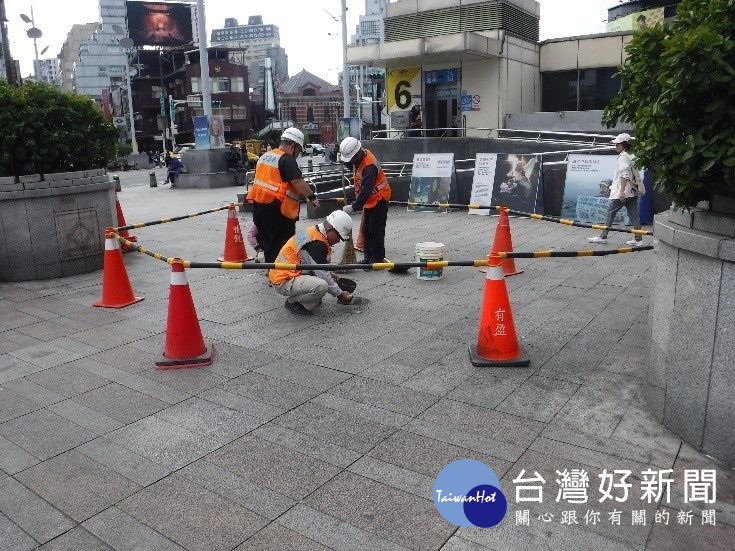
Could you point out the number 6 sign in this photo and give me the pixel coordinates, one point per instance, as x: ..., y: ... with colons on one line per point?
x: 402, y: 86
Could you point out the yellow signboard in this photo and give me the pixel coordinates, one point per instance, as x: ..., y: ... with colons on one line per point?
x: 401, y: 86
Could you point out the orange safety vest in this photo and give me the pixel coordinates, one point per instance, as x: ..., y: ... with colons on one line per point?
x: 268, y: 186
x: 381, y: 188
x: 289, y: 254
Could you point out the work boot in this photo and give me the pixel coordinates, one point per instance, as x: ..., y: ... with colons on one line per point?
x: 297, y: 308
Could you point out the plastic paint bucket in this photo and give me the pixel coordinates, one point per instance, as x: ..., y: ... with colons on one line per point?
x: 429, y: 251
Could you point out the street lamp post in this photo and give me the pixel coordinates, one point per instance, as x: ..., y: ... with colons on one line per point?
x: 126, y: 43
x: 33, y: 33
x: 345, y: 75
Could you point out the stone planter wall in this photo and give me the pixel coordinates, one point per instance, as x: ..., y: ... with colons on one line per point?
x: 53, y: 225
x: 690, y: 380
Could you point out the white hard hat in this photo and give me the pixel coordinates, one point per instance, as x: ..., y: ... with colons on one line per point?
x: 348, y: 148
x: 620, y: 138
x: 342, y: 222
x: 293, y: 134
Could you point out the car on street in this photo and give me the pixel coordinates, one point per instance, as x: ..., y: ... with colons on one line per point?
x: 313, y: 149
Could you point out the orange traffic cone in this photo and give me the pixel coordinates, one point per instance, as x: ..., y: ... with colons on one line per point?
x: 497, y: 343
x: 183, y: 345
x: 121, y: 222
x: 116, y: 289
x: 503, y: 243
x: 234, y: 243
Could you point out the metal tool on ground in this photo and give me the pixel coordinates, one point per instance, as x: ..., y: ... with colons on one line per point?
x: 347, y: 284
x: 183, y: 344
x: 503, y: 243
x: 121, y: 222
x: 497, y: 343
x: 234, y: 243
x: 116, y: 289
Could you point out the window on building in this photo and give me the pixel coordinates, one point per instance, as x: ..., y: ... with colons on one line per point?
x: 195, y: 85
x: 220, y: 84
x: 224, y: 111
x: 578, y: 90
x: 239, y: 112
x: 113, y: 49
x: 237, y: 84
x: 309, y: 114
x: 327, y: 112
x: 369, y: 27
x: 293, y: 114
x: 308, y: 92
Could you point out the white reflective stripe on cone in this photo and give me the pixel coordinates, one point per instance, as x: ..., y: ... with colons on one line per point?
x: 178, y: 278
x: 494, y: 272
x: 111, y: 244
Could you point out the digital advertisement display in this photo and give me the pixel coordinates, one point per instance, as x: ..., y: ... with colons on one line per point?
x: 159, y: 23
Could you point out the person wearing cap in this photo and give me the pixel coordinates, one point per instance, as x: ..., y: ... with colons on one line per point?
x: 304, y: 290
x: 275, y: 193
x: 622, y: 192
x: 372, y: 194
x: 174, y: 169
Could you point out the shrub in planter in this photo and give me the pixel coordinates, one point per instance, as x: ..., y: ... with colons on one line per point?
x: 45, y: 130
x: 677, y: 90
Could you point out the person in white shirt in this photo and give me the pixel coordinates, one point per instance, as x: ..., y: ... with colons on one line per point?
x: 623, y: 192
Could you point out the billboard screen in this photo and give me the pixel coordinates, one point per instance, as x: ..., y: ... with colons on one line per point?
x: 637, y: 20
x: 159, y: 23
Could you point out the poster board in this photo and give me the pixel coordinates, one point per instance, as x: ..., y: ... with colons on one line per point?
x: 483, y: 181
x: 201, y: 132
x: 586, y: 189
x: 433, y: 181
x: 517, y: 182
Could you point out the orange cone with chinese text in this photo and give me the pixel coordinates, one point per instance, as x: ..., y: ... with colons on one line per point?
x: 503, y: 243
x: 234, y: 243
x: 497, y: 343
x: 116, y: 289
x: 121, y: 222
x: 183, y: 344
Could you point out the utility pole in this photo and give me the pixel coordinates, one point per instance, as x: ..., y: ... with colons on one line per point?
x: 204, y: 60
x: 345, y: 74
x: 7, y: 58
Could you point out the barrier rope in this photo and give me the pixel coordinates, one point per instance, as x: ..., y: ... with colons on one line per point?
x: 531, y: 215
x: 138, y: 225
x: 377, y: 266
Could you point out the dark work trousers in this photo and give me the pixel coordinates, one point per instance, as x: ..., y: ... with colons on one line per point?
x: 373, y: 232
x: 274, y: 229
x: 631, y: 205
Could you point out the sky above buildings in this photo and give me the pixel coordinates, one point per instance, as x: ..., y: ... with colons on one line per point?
x: 310, y: 29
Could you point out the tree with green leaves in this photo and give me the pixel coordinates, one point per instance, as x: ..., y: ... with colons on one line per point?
x: 44, y: 130
x: 678, y: 92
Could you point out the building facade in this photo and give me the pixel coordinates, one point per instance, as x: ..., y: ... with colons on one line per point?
x: 69, y: 54
x: 48, y: 70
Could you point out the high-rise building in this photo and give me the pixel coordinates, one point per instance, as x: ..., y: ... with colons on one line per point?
x: 69, y: 54
x: 48, y: 70
x: 250, y: 45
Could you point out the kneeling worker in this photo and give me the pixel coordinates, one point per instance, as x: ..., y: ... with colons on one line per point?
x: 313, y: 245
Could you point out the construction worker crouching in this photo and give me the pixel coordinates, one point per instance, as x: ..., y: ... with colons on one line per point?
x: 372, y: 193
x: 275, y: 193
x: 313, y: 245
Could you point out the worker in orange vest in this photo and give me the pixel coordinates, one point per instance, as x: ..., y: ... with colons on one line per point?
x: 275, y: 193
x: 372, y: 194
x: 304, y: 290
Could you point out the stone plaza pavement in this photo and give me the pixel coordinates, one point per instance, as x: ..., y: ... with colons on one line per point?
x: 327, y: 432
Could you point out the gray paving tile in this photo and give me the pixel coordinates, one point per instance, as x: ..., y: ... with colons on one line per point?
x: 271, y: 390
x: 233, y: 361
x: 490, y: 386
x: 12, y: 368
x: 336, y: 427
x: 212, y: 524
x: 48, y: 330
x: 44, y: 434
x: 439, y: 379
x: 428, y: 456
x: 13, y: 405
x: 253, y: 408
x: 201, y: 417
x: 332, y: 532
x: 189, y: 381
x: 538, y: 398
x: 391, y: 397
x: 109, y: 336
x: 77, y: 485
x: 13, y: 458
x: 359, y: 501
x: 36, y: 393
x: 136, y: 382
x: 126, y: 533
x: 402, y: 479
x: 132, y: 466
x: 48, y: 354
x: 302, y: 373
x: 68, y: 379
x: 307, y: 445
x: 390, y: 372
x: 275, y: 537
x: 75, y: 540
x: 31, y: 513
x: 120, y: 403
x: 12, y: 537
x: 259, y: 499
x: 11, y: 340
x: 352, y: 407
x: 695, y: 537
x: 127, y: 358
x: 85, y: 417
x: 456, y: 543
x: 273, y: 466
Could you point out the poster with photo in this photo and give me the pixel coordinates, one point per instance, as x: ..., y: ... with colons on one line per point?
x: 201, y: 132
x: 517, y: 182
x: 587, y: 189
x: 432, y: 181
x: 483, y: 181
